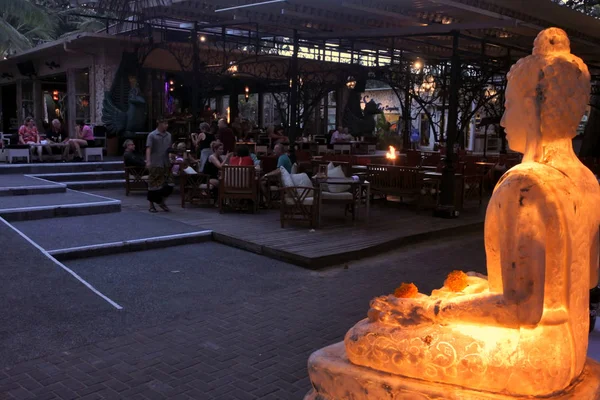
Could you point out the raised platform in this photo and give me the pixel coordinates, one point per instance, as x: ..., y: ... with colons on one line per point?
x: 335, y: 378
x: 338, y: 241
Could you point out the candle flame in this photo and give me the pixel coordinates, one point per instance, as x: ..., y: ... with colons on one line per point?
x: 391, y: 154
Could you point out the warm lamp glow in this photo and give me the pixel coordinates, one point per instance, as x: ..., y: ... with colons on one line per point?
x: 418, y: 65
x: 351, y: 83
x: 391, y: 154
x: 171, y: 82
x: 228, y: 115
x: 232, y: 69
x: 203, y: 38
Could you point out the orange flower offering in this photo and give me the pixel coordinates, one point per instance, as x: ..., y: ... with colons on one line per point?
x: 406, y: 291
x: 456, y: 281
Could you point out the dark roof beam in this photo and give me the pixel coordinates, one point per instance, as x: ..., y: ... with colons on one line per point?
x: 431, y: 30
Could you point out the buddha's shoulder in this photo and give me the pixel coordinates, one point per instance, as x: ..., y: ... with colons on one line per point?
x: 541, y: 178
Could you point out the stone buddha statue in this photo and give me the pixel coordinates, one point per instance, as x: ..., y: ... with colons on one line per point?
x: 523, y: 329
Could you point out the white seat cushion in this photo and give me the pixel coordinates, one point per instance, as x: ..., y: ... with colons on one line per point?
x: 337, y: 172
x: 190, y: 171
x: 286, y: 178
x: 145, y: 177
x: 308, y: 201
x: 203, y: 186
x: 294, y: 169
x: 337, y: 196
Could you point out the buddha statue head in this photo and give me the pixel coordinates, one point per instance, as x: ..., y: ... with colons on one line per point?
x: 546, y: 95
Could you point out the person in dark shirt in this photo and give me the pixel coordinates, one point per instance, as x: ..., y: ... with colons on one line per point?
x: 56, y: 137
x: 130, y: 157
x: 226, y: 136
x: 56, y: 133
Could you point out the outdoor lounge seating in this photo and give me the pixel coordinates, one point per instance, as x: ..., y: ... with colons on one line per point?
x: 88, y: 152
x: 298, y: 204
x: 136, y: 179
x: 238, y: 183
x: 195, y: 188
x: 396, y: 181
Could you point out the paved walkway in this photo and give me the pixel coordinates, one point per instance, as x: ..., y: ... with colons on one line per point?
x: 245, y: 331
x: 201, y: 321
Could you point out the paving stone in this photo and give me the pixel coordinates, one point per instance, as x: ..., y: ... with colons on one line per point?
x: 252, y: 349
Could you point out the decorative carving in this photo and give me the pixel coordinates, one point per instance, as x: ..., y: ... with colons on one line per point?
x: 124, y: 108
x: 523, y: 331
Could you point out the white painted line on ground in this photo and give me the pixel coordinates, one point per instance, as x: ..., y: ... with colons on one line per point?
x: 44, y: 180
x: 64, y: 267
x: 132, y: 241
x: 86, y: 173
x: 8, y: 188
x: 92, y: 194
x: 42, y: 208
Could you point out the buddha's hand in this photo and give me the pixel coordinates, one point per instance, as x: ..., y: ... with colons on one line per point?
x: 404, y: 312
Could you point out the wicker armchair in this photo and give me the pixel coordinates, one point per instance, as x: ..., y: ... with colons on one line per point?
x: 195, y: 188
x: 136, y: 179
x: 299, y: 204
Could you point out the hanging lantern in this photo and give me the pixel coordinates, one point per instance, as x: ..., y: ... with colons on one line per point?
x: 351, y: 83
x: 247, y: 93
x: 55, y: 95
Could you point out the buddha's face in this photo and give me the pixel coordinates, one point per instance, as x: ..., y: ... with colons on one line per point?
x: 518, y: 110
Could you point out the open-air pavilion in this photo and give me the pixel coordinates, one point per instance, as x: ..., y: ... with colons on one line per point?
x: 445, y: 60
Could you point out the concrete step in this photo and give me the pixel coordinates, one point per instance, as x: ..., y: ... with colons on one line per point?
x: 31, y: 190
x: 41, y: 206
x: 48, y: 168
x: 103, y: 184
x: 82, y: 176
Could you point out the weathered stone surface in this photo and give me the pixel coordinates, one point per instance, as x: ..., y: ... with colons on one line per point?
x: 334, y: 377
x: 523, y: 331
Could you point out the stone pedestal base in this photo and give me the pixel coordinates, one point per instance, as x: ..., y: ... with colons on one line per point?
x: 334, y: 377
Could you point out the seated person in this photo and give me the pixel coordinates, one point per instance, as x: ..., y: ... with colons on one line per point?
x: 276, y: 135
x: 242, y: 157
x: 84, y: 137
x: 130, y: 157
x: 56, y: 136
x: 28, y: 134
x: 214, y: 164
x: 182, y: 156
x: 283, y: 160
x: 337, y: 135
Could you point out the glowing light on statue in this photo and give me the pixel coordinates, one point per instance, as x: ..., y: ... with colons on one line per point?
x: 522, y: 331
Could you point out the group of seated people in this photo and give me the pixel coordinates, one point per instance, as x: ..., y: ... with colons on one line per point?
x: 56, y: 136
x: 210, y: 161
x: 341, y: 134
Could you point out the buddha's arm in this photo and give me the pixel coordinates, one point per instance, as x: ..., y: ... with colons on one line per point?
x: 516, y: 256
x: 594, y: 261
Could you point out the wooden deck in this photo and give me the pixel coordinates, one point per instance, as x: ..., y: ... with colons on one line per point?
x: 339, y: 241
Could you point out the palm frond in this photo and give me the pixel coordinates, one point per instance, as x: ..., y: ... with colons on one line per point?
x: 27, y: 13
x: 12, y: 39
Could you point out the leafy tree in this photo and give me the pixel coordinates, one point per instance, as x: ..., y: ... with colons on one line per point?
x: 589, y: 7
x: 27, y: 23
x: 24, y: 24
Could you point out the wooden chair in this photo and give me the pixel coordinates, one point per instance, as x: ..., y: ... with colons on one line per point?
x: 238, y: 183
x: 345, y: 198
x: 298, y: 204
x: 136, y: 179
x: 346, y: 166
x: 473, y: 182
x: 195, y: 188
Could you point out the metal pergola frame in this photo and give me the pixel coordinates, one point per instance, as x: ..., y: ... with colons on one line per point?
x: 485, y: 33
